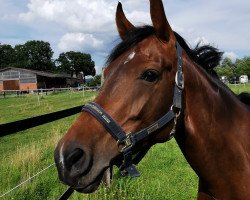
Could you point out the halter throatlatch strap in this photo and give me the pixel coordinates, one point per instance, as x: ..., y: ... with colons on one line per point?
x: 128, y: 141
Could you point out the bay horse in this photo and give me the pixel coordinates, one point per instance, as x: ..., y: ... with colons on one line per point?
x: 157, y: 88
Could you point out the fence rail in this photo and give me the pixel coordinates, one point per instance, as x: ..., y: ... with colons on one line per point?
x: 39, y: 91
x: 13, y: 127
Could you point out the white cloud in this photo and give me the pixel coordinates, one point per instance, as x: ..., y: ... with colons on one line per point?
x: 79, y: 41
x: 139, y: 17
x: 233, y: 56
x: 201, y: 40
x: 221, y: 23
x: 74, y: 15
x: 90, y: 25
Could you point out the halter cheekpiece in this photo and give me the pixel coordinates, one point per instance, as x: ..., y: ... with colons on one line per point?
x: 128, y: 141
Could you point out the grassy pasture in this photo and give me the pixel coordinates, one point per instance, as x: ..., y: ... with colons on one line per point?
x: 25, y: 153
x: 240, y: 88
x: 164, y: 172
x: 20, y: 107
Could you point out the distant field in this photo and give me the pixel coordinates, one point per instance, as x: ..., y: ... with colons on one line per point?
x: 164, y: 172
x: 238, y: 88
x: 21, y: 107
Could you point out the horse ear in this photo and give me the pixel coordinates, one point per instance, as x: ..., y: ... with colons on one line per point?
x: 123, y: 25
x: 160, y: 22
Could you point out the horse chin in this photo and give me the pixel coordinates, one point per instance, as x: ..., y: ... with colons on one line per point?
x: 88, y: 189
x: 93, y: 186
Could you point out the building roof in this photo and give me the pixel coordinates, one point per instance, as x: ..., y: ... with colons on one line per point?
x: 39, y: 73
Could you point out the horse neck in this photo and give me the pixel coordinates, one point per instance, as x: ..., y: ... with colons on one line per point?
x: 213, y: 135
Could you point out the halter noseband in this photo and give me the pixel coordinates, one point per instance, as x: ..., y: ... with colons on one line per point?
x: 128, y: 141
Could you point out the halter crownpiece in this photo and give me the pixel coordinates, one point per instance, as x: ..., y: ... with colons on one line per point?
x: 128, y: 141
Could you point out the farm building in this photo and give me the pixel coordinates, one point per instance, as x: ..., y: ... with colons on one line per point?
x: 12, y: 78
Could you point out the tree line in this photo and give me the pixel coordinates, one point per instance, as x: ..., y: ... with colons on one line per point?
x: 37, y: 55
x: 235, y: 69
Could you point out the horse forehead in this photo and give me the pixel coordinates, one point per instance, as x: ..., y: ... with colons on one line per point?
x: 148, y: 49
x: 130, y: 57
x: 151, y: 47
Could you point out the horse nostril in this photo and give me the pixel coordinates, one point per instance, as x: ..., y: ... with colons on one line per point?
x: 74, y: 157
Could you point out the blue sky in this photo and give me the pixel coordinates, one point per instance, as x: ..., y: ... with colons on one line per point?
x: 89, y: 25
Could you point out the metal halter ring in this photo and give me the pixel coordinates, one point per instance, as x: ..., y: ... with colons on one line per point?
x: 179, y: 80
x: 177, y: 114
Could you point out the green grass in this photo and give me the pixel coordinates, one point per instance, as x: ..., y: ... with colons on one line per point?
x: 20, y: 107
x: 25, y: 153
x: 240, y: 88
x: 165, y: 174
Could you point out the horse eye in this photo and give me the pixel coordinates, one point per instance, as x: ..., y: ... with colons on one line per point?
x: 150, y: 75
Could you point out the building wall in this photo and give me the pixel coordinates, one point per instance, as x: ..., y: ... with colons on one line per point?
x: 15, y: 79
x: 32, y: 80
x: 24, y: 86
x: 28, y: 86
x: 11, y: 84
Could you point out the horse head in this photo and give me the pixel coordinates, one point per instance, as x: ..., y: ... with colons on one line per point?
x: 138, y: 90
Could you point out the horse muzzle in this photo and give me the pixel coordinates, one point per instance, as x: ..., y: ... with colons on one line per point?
x: 72, y: 162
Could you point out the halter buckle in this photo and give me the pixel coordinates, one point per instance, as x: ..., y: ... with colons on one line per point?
x: 127, y: 143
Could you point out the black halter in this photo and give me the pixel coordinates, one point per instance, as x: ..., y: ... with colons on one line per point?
x: 128, y: 141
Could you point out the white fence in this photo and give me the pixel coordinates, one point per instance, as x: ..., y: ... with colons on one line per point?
x: 4, y: 93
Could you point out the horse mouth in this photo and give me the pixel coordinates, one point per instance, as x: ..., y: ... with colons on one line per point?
x: 92, y: 186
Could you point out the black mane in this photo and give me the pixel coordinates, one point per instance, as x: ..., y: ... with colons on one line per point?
x: 245, y: 98
x: 206, y: 56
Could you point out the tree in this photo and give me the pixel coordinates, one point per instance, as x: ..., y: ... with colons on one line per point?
x: 75, y: 62
x: 225, y: 71
x: 227, y: 68
x: 227, y: 62
x: 34, y: 55
x: 233, y: 70
x: 21, y: 58
x: 95, y: 81
x: 243, y: 66
x: 7, y: 54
